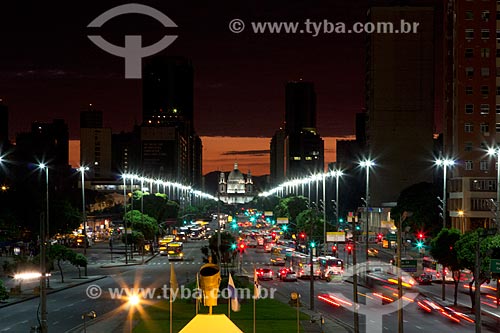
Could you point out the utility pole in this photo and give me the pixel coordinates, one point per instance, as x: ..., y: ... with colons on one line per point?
x: 400, y: 284
x: 477, y: 285
x: 43, y: 276
x: 355, y: 285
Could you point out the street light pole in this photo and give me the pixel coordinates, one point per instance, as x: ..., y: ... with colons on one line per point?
x: 367, y: 164
x: 444, y: 162
x: 496, y: 151
x: 82, y: 170
x: 43, y: 248
x: 124, y: 216
x: 324, y: 214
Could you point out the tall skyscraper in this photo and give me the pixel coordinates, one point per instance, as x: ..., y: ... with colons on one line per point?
x: 95, y: 144
x: 472, y: 106
x: 4, y: 126
x: 170, y: 147
x: 400, y: 102
x: 298, y: 150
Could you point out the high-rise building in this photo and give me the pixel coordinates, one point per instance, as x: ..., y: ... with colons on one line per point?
x: 170, y: 147
x: 298, y: 150
x: 95, y: 145
x: 400, y: 81
x: 472, y: 106
x: 300, y: 106
x: 4, y: 126
x: 167, y: 92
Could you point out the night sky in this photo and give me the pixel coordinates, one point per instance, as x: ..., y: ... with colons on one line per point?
x: 50, y: 69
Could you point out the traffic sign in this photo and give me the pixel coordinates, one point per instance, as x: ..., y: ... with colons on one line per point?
x: 335, y: 236
x: 391, y: 237
x: 495, y: 265
x: 409, y: 265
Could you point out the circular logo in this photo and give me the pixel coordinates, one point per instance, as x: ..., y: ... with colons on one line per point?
x: 236, y: 26
x: 94, y: 291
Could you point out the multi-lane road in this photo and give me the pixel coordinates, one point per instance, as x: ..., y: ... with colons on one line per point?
x: 65, y: 307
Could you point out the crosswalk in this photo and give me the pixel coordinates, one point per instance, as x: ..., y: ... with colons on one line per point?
x: 199, y: 263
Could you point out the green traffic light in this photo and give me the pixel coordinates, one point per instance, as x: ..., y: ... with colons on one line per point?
x: 313, y: 245
x: 341, y: 220
x: 285, y: 228
x: 420, y: 244
x: 233, y: 246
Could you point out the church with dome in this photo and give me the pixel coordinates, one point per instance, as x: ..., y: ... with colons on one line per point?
x: 236, y: 189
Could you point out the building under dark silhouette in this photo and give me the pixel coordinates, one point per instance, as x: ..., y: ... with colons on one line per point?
x: 298, y: 150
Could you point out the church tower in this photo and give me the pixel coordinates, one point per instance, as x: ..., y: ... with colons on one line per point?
x: 222, y: 183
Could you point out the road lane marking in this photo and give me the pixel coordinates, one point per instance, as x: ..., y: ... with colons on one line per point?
x: 55, y: 323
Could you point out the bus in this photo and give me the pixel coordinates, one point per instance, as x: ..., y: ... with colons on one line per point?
x: 175, y: 251
x: 330, y: 265
x: 435, y: 269
x: 279, y: 255
x: 300, y: 264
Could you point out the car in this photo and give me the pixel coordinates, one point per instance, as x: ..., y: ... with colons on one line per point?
x: 289, y: 276
x: 424, y: 279
x: 252, y: 242
x: 282, y: 272
x: 264, y: 274
x: 372, y: 252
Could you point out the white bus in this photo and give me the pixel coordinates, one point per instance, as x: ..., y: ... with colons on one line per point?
x: 435, y: 269
x: 279, y: 255
x: 330, y: 265
x: 300, y: 265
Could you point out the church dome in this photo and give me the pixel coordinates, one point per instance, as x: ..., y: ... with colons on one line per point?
x: 235, y: 181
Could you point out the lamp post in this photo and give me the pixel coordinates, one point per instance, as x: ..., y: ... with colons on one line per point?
x: 43, y: 247
x: 496, y: 151
x: 82, y: 170
x: 324, y: 214
x: 367, y: 164
x: 124, y: 215
x: 337, y: 174
x: 444, y: 162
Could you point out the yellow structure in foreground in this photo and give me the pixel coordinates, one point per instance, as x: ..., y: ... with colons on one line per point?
x: 214, y: 323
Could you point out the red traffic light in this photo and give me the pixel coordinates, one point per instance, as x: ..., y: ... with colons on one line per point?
x: 273, y: 235
x: 420, y: 235
x: 241, y: 247
x: 380, y: 236
x: 334, y: 248
x: 302, y: 235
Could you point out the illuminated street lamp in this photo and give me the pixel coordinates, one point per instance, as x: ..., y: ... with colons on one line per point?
x: 491, y: 152
x: 44, y: 227
x: 82, y: 170
x: 445, y: 163
x: 367, y: 164
x: 133, y: 301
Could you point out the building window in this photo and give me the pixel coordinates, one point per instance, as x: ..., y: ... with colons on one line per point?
x: 497, y: 107
x: 485, y: 90
x: 469, y: 165
x: 469, y: 53
x: 468, y: 146
x: 484, y: 128
x: 498, y: 71
x: 485, y: 71
x: 483, y: 165
x: 469, y: 71
x: 485, y: 33
x: 468, y: 127
x: 483, y: 145
x: 485, y: 108
x: 469, y: 108
x: 485, y: 52
x: 498, y: 91
x: 469, y: 33
x: 485, y: 15
x: 468, y: 90
x: 469, y: 15
x: 498, y: 127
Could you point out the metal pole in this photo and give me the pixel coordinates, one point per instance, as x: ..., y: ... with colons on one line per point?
x: 124, y: 219
x: 311, y: 285
x: 218, y: 228
x: 444, y: 195
x: 337, y: 199
x: 82, y: 171
x: 498, y: 193
x: 324, y: 215
x: 367, y: 209
x: 443, y: 283
x: 355, y: 285
x: 477, y: 285
x: 400, y: 285
x: 43, y: 263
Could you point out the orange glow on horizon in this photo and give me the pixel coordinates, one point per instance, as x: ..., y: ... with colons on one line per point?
x: 220, y: 153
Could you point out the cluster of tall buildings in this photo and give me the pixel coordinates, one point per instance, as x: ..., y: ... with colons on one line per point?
x: 165, y: 145
x: 297, y: 150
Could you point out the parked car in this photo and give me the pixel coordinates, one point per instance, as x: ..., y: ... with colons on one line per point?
x: 264, y: 274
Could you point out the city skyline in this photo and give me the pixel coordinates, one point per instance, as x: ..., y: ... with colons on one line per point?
x: 233, y: 95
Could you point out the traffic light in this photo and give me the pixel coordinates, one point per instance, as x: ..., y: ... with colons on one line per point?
x: 242, y: 247
x: 349, y: 248
x: 358, y: 227
x: 284, y: 228
x: 233, y: 246
x: 302, y: 235
x: 334, y: 249
x: 380, y: 237
x: 420, y: 235
x: 312, y: 245
x: 341, y: 220
x: 420, y: 244
x: 273, y: 235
